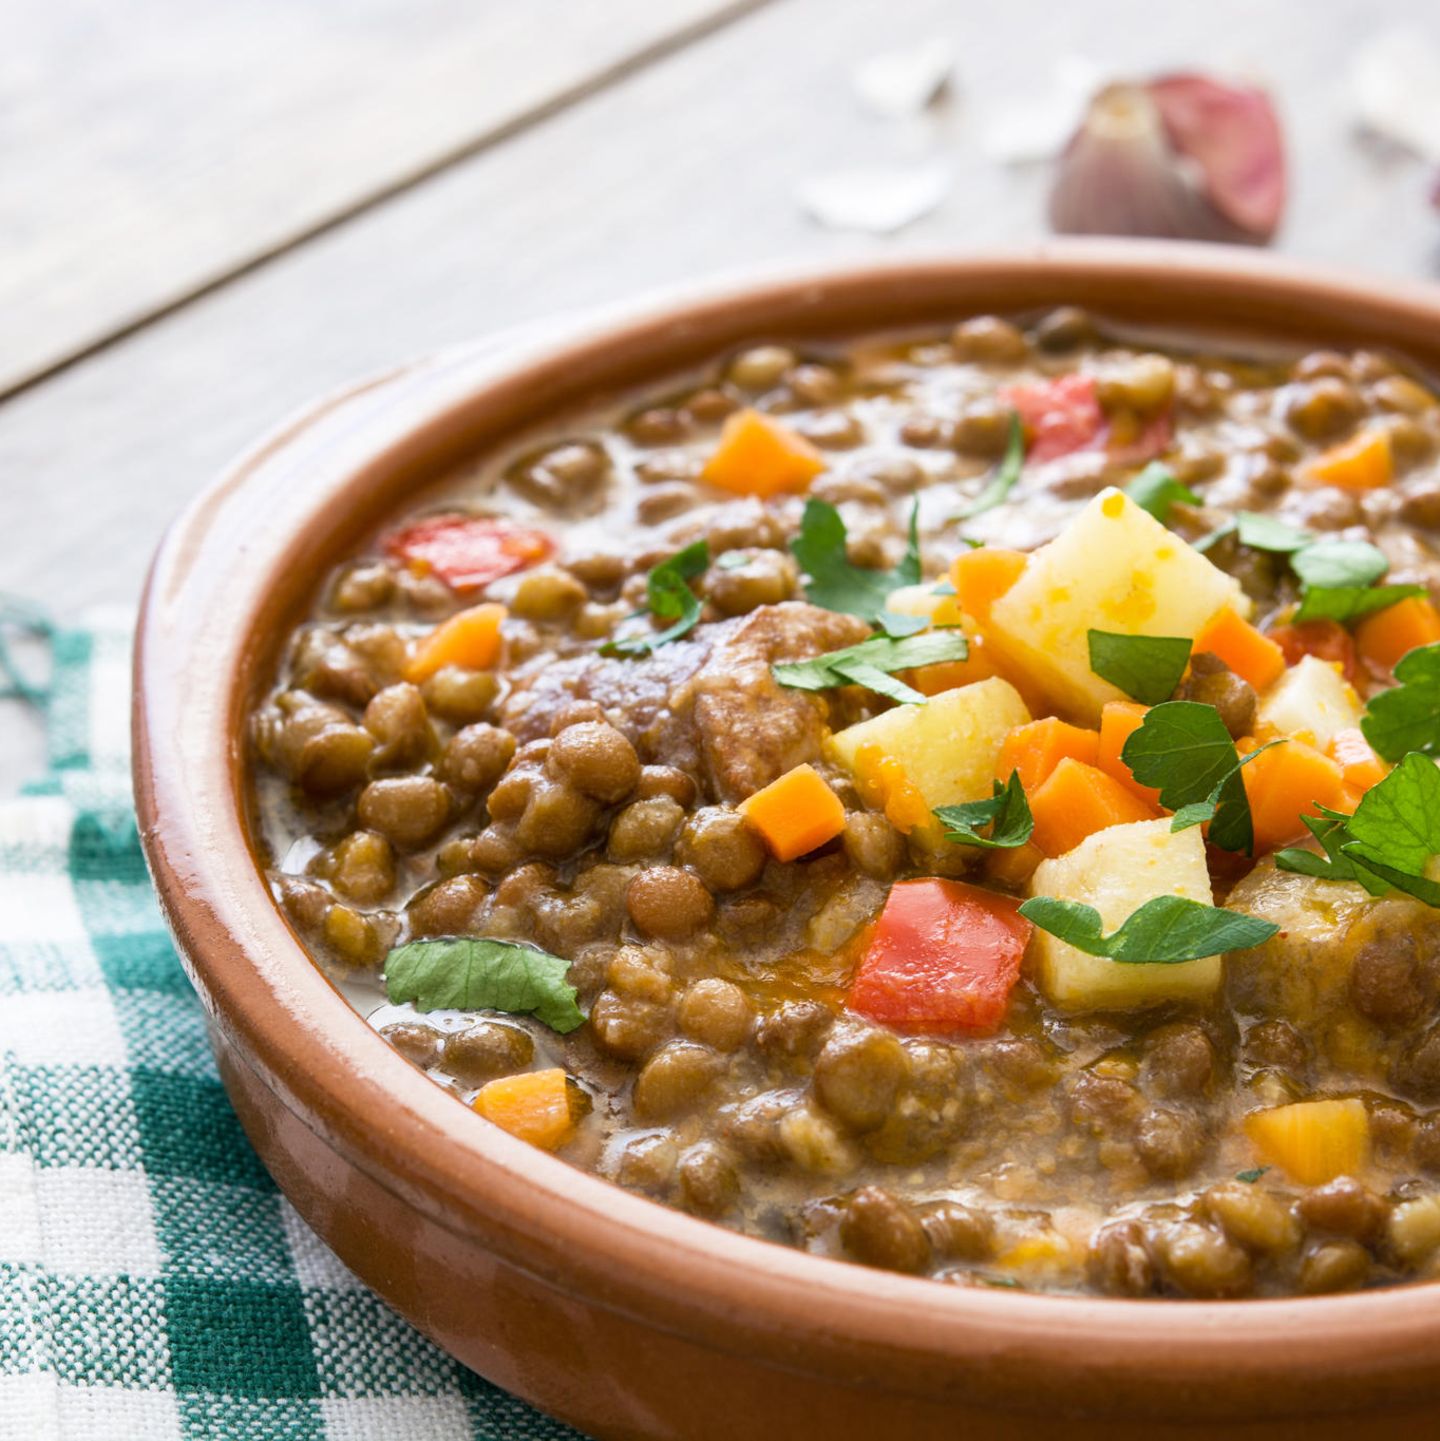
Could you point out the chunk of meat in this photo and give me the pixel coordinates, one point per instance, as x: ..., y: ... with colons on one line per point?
x: 706, y: 704
x: 635, y: 696
x: 749, y: 728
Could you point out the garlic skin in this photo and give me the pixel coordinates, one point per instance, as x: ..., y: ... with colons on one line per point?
x: 1179, y: 157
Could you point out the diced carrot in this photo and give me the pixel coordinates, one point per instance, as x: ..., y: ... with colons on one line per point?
x: 1362, y: 463
x: 1119, y: 720
x: 1360, y: 767
x: 1252, y: 656
x: 1324, y: 639
x: 1387, y: 635
x: 883, y: 784
x: 535, y: 1106
x: 948, y: 674
x: 982, y: 576
x: 1014, y: 865
x: 1076, y: 801
x: 470, y: 638
x: 795, y: 813
x: 757, y: 455
x: 1036, y: 748
x: 1286, y: 782
x: 1313, y: 1141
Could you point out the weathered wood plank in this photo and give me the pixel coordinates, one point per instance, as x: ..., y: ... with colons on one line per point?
x: 149, y: 149
x: 686, y: 168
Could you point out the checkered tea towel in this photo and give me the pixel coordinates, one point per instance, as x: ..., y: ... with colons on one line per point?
x: 153, y: 1282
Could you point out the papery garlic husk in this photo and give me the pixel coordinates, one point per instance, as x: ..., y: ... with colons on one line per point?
x: 1181, y: 157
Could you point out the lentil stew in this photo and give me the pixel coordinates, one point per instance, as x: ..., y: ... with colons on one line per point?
x: 672, y: 791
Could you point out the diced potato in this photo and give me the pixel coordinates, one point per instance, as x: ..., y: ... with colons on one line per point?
x: 1113, y: 568
x: 1117, y: 870
x: 1311, y: 696
x: 947, y: 747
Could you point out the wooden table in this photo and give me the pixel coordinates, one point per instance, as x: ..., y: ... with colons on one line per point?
x: 208, y: 214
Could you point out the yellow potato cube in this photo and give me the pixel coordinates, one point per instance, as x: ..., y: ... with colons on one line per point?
x: 948, y: 747
x: 1116, y: 871
x: 1312, y: 696
x: 1113, y: 568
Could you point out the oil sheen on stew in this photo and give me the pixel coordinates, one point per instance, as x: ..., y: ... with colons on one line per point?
x: 963, y: 803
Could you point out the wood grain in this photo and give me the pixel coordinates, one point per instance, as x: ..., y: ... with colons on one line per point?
x: 150, y: 149
x: 686, y: 168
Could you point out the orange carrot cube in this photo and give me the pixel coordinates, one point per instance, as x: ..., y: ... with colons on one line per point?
x: 982, y: 576
x: 1036, y: 748
x: 1078, y: 800
x: 534, y: 1105
x: 1313, y: 1141
x: 795, y: 813
x: 1360, y: 767
x: 1364, y: 462
x: 1386, y: 636
x: 470, y: 638
x: 757, y: 455
x: 1252, y: 656
x: 1286, y: 782
x: 1119, y: 720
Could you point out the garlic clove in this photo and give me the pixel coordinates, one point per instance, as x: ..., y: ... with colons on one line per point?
x: 1182, y: 157
x: 1233, y: 134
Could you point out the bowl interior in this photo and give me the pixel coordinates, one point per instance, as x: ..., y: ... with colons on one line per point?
x: 242, y: 565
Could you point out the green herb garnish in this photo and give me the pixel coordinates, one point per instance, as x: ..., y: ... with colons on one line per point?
x: 1396, y: 828
x: 1329, y: 830
x: 1407, y: 716
x: 833, y: 582
x: 474, y: 973
x: 1337, y: 564
x: 1198, y: 812
x: 1258, y: 532
x: 1264, y: 532
x: 1155, y: 490
x: 1252, y: 1175
x: 871, y: 664
x: 1338, y: 581
x: 1351, y: 602
x: 1337, y: 576
x: 1146, y: 667
x: 1003, y: 481
x: 1007, y: 813
x: 668, y: 597
x: 1164, y: 931
x: 1183, y: 750
x: 898, y: 626
x: 1390, y: 839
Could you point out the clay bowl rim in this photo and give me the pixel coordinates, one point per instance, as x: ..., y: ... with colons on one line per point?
x: 202, y: 640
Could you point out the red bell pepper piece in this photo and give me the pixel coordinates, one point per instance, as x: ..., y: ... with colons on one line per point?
x: 944, y: 958
x: 1059, y: 416
x: 467, y: 552
x: 1324, y: 639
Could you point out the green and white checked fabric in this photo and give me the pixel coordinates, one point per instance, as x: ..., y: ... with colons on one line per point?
x: 154, y: 1285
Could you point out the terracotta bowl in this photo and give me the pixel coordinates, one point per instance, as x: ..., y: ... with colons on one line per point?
x: 619, y: 1315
